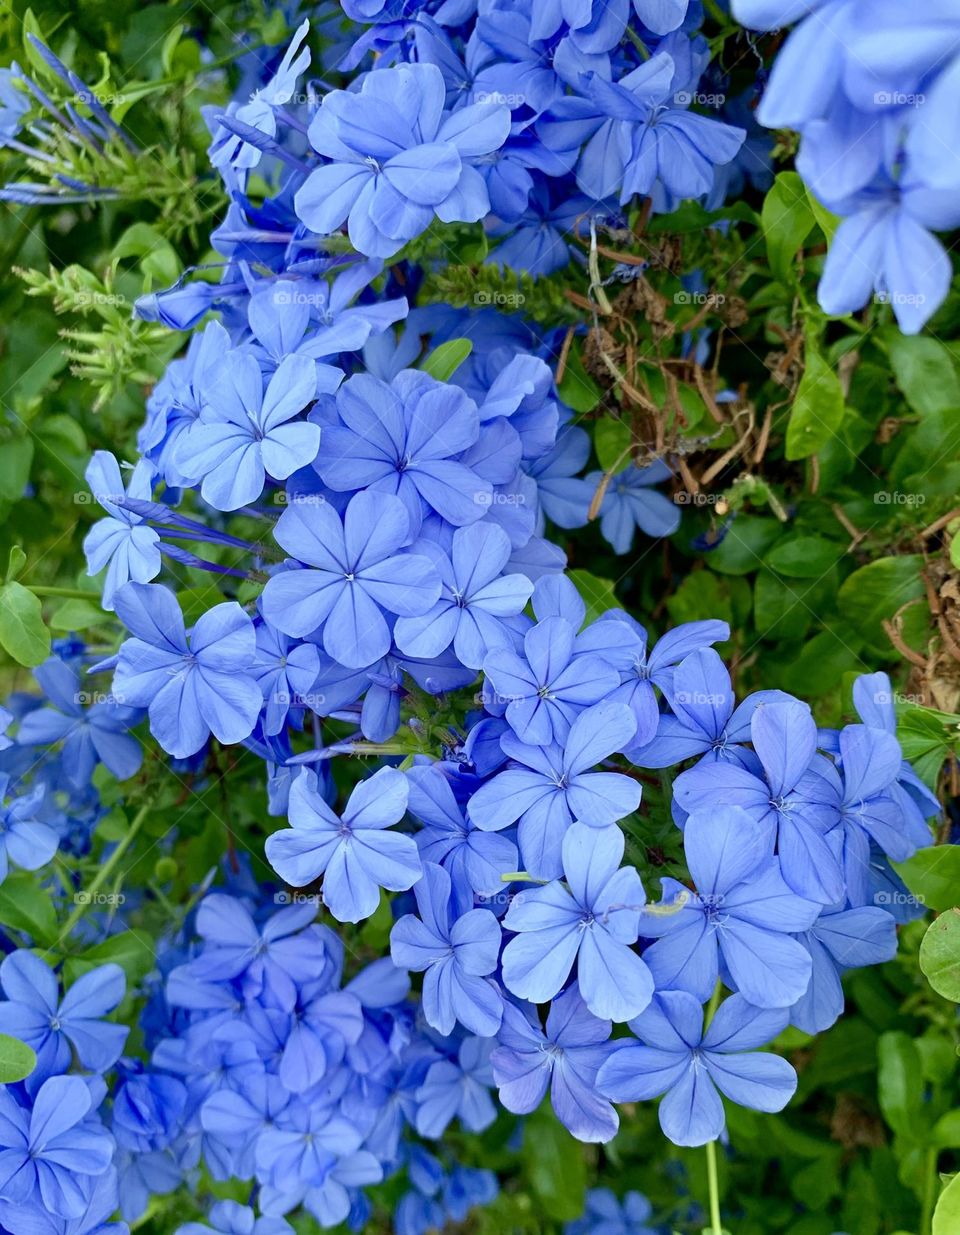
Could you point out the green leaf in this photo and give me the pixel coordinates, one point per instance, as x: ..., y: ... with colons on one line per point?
x: 132, y: 951
x: 804, y: 557
x: 22, y: 632
x: 876, y: 591
x: 25, y: 906
x: 75, y: 615
x: 15, y: 563
x: 817, y: 412
x: 16, y: 456
x: 578, y: 389
x: 741, y: 551
x: 924, y: 370
x: 829, y: 222
x: 925, y: 741
x: 611, y: 441
x: 444, y: 360
x: 787, y: 221
x: 597, y: 593
x: 933, y: 876
x: 17, y: 1060
x: 899, y: 1082
x: 940, y: 955
x: 946, y: 1217
x: 555, y: 1165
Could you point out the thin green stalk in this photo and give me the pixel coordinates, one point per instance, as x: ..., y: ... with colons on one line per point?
x: 105, y: 871
x: 71, y: 593
x: 929, y: 1192
x: 716, y: 12
x: 713, y: 1182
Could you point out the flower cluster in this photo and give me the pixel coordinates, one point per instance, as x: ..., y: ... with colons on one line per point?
x: 871, y: 89
x: 369, y: 487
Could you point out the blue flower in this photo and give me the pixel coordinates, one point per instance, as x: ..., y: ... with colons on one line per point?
x: 231, y: 1218
x: 547, y: 787
x: 244, y: 432
x: 123, y: 543
x: 397, y: 160
x: 55, y: 1028
x: 356, y: 853
x: 546, y: 688
x: 703, y: 721
x: 14, y: 104
x: 593, y: 920
x: 840, y: 939
x: 269, y: 962
x: 89, y: 735
x: 285, y: 671
x: 356, y: 572
x: 191, y: 684
x: 457, y: 1088
x: 657, y: 667
x: 24, y: 839
x: 315, y: 317
x: 404, y: 438
x: 604, y: 1215
x: 790, y: 791
x: 476, y: 596
x: 676, y: 1058
x: 630, y: 503
x: 50, y: 1151
x: 474, y: 860
x: 742, y: 912
x: 566, y: 1057
x: 455, y: 954
x: 227, y: 150
x: 870, y: 762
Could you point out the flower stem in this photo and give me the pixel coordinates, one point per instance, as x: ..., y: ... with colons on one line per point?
x: 105, y: 871
x: 716, y: 1226
x: 929, y: 1192
x: 71, y: 593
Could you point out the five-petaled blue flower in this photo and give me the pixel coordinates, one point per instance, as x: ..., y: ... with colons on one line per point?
x: 356, y: 853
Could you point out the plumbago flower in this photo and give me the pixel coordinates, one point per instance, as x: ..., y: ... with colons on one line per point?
x: 88, y: 735
x: 676, y: 1057
x: 546, y: 687
x: 244, y: 433
x: 839, y: 940
x: 25, y: 841
x: 743, y: 913
x: 123, y: 542
x: 565, y: 1057
x: 790, y: 794
x: 405, y: 438
x: 605, y: 1215
x: 703, y: 721
x: 455, y: 955
x: 397, y: 160
x: 475, y: 598
x: 473, y: 858
x: 354, y: 852
x: 56, y: 1028
x: 356, y: 572
x: 547, y: 787
x: 593, y: 919
x: 191, y: 683
x: 50, y: 1152
x: 630, y: 502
